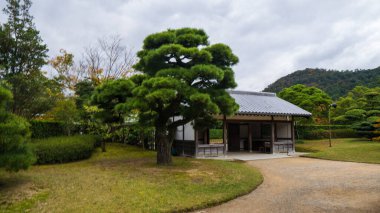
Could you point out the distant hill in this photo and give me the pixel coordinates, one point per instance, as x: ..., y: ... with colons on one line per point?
x: 333, y: 82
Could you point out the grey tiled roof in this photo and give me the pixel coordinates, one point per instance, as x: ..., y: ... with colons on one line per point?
x: 264, y: 103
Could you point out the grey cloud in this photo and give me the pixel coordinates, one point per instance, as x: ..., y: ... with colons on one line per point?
x: 271, y: 37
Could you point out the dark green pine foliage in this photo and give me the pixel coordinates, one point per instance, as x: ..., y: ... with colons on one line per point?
x: 107, y: 97
x: 185, y: 76
x: 22, y: 54
x: 335, y: 83
x: 21, y: 47
x: 83, y: 91
x: 14, y: 135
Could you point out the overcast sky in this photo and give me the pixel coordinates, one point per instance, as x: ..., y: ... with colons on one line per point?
x: 271, y: 38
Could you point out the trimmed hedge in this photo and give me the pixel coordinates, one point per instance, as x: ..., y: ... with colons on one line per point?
x: 322, y: 132
x: 45, y: 129
x: 64, y: 149
x: 321, y: 127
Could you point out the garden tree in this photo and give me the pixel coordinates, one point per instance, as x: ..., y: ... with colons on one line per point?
x: 65, y: 112
x: 361, y: 109
x: 21, y: 47
x: 83, y: 93
x: 367, y: 127
x: 373, y: 103
x: 343, y: 105
x: 106, y: 97
x: 360, y: 104
x: 376, y: 126
x: 108, y: 59
x: 14, y: 135
x: 184, y: 76
x: 311, y: 99
x: 22, y: 54
x: 68, y: 75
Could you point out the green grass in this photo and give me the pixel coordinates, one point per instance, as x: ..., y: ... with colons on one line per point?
x: 125, y: 179
x: 343, y: 149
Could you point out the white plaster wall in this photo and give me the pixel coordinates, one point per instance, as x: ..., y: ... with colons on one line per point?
x: 284, y: 130
x: 189, y: 131
x: 178, y: 133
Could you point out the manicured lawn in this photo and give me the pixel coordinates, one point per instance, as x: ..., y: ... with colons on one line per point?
x: 343, y: 149
x: 125, y: 179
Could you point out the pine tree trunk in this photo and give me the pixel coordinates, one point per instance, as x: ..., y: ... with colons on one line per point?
x: 142, y: 139
x: 164, y: 142
x: 103, y: 145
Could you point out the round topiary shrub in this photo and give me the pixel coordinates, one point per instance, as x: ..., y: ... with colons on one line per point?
x: 64, y: 149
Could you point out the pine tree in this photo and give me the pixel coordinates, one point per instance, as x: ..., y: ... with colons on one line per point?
x: 14, y: 135
x: 21, y: 47
x: 22, y: 54
x: 184, y: 76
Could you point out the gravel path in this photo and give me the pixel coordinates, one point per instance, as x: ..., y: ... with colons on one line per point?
x: 310, y: 185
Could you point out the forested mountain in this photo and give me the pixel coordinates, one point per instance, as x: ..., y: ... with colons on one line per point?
x: 333, y: 82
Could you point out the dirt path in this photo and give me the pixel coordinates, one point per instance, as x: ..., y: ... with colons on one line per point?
x: 310, y: 185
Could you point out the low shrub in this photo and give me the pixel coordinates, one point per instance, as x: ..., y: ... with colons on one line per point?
x: 64, y: 149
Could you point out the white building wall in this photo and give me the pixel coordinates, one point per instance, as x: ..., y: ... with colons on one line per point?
x: 284, y: 135
x: 187, y: 128
x: 284, y: 130
x: 189, y: 132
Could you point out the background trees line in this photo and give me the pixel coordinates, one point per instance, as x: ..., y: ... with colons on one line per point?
x: 335, y: 83
x: 360, y: 108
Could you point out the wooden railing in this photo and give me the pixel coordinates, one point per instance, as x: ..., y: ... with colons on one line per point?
x: 284, y: 146
x: 210, y: 149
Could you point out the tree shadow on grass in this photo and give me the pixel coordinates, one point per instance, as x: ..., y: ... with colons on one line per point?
x: 15, y: 187
x: 7, y: 182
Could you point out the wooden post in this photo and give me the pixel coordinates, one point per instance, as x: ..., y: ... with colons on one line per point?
x: 183, y: 140
x: 196, y: 142
x: 292, y: 134
x: 205, y: 137
x: 225, y: 148
x: 272, y: 136
x: 250, y: 137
